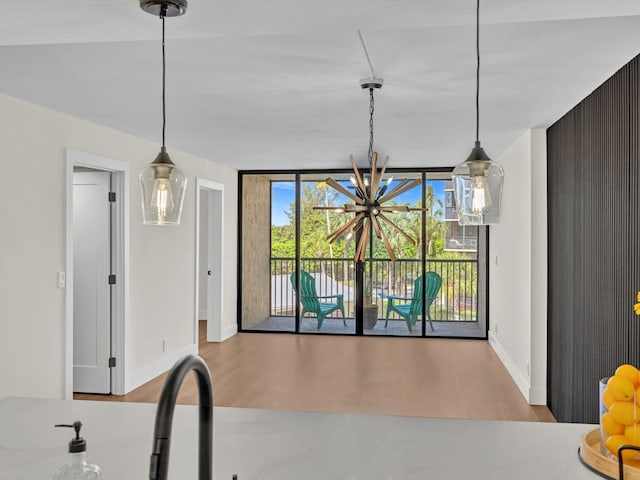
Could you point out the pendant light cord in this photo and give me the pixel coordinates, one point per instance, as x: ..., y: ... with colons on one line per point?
x: 164, y: 73
x: 478, y: 71
x: 371, y: 108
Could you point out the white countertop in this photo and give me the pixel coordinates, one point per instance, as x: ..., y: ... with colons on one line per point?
x: 270, y: 445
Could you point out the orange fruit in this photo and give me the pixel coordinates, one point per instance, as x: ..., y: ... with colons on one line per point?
x: 621, y: 388
x: 626, y: 413
x: 614, y: 442
x: 607, y: 398
x: 632, y: 434
x: 611, y: 426
x: 629, y: 372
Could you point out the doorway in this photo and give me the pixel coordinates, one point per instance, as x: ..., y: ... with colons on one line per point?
x: 209, y: 255
x: 92, y: 254
x: 96, y: 274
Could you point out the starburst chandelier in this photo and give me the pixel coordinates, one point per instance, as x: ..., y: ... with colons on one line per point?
x: 370, y: 193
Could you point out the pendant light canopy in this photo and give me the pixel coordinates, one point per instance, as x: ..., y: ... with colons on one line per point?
x: 162, y: 184
x: 478, y: 181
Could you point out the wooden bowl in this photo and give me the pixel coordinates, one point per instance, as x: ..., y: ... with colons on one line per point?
x: 592, y: 457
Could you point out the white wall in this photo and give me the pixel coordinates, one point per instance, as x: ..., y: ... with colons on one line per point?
x: 518, y: 267
x: 32, y: 241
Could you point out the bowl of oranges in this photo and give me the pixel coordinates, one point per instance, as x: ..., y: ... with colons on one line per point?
x: 620, y: 412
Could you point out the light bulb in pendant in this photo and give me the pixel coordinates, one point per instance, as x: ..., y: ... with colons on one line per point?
x: 480, y: 196
x: 162, y: 197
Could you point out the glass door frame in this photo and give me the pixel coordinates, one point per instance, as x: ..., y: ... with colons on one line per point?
x: 359, y: 267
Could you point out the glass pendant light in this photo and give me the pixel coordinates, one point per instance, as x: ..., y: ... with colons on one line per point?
x: 478, y: 181
x: 162, y: 184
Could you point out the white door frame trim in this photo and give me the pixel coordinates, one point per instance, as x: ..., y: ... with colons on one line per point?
x: 203, y: 184
x: 120, y: 293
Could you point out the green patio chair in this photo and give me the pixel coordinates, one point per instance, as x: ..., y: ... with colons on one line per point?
x: 312, y: 303
x: 410, y: 311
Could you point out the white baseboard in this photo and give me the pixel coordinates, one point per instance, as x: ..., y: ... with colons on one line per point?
x: 509, y: 364
x: 158, y: 367
x: 202, y: 315
x: 537, y: 396
x: 228, y: 332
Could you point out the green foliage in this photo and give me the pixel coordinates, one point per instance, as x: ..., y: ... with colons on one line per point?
x: 316, y: 225
x: 437, y: 247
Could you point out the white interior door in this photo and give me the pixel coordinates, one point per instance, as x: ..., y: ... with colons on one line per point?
x: 214, y: 260
x: 91, y: 290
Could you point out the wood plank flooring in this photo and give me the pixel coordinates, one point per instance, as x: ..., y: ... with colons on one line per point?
x: 382, y: 376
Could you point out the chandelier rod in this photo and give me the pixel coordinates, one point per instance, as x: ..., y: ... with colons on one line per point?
x: 371, y: 110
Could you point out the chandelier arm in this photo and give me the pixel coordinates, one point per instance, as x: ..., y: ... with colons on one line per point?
x: 328, y: 207
x: 362, y: 244
x: 355, y: 208
x: 397, y: 228
x: 360, y: 221
x: 394, y: 208
x: 384, y: 167
x: 378, y: 192
x: 397, y: 191
x: 402, y: 186
x: 375, y: 179
x: 356, y: 172
x: 331, y: 182
x: 335, y: 235
x: 387, y: 245
x: 376, y: 227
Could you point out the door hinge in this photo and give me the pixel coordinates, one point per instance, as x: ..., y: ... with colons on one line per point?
x: 112, y: 362
x: 112, y: 196
x: 112, y: 279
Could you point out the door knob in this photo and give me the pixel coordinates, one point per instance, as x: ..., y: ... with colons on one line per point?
x: 209, y: 272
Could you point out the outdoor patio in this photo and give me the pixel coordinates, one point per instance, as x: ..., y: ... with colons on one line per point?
x: 457, y: 329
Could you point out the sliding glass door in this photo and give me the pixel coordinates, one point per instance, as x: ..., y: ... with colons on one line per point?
x: 418, y: 276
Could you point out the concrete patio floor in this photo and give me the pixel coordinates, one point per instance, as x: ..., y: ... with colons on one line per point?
x: 455, y: 329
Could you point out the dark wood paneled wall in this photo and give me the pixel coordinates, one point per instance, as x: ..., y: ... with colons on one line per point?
x: 594, y: 244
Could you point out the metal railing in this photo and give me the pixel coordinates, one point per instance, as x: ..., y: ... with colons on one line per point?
x: 457, y: 299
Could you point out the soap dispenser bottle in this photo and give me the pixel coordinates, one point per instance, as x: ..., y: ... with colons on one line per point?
x: 77, y: 467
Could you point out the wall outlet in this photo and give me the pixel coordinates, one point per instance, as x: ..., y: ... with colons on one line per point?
x: 165, y: 344
x: 62, y: 280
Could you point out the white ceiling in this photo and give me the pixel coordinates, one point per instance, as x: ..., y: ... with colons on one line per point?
x: 258, y: 84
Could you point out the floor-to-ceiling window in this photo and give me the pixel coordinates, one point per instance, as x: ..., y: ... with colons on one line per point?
x: 420, y: 275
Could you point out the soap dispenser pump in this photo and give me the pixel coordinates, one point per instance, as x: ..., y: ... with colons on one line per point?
x: 77, y: 467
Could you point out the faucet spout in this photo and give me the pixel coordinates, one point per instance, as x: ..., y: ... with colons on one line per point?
x: 159, y: 464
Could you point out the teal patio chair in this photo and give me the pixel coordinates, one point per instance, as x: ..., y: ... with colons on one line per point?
x: 413, y: 305
x: 312, y: 303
